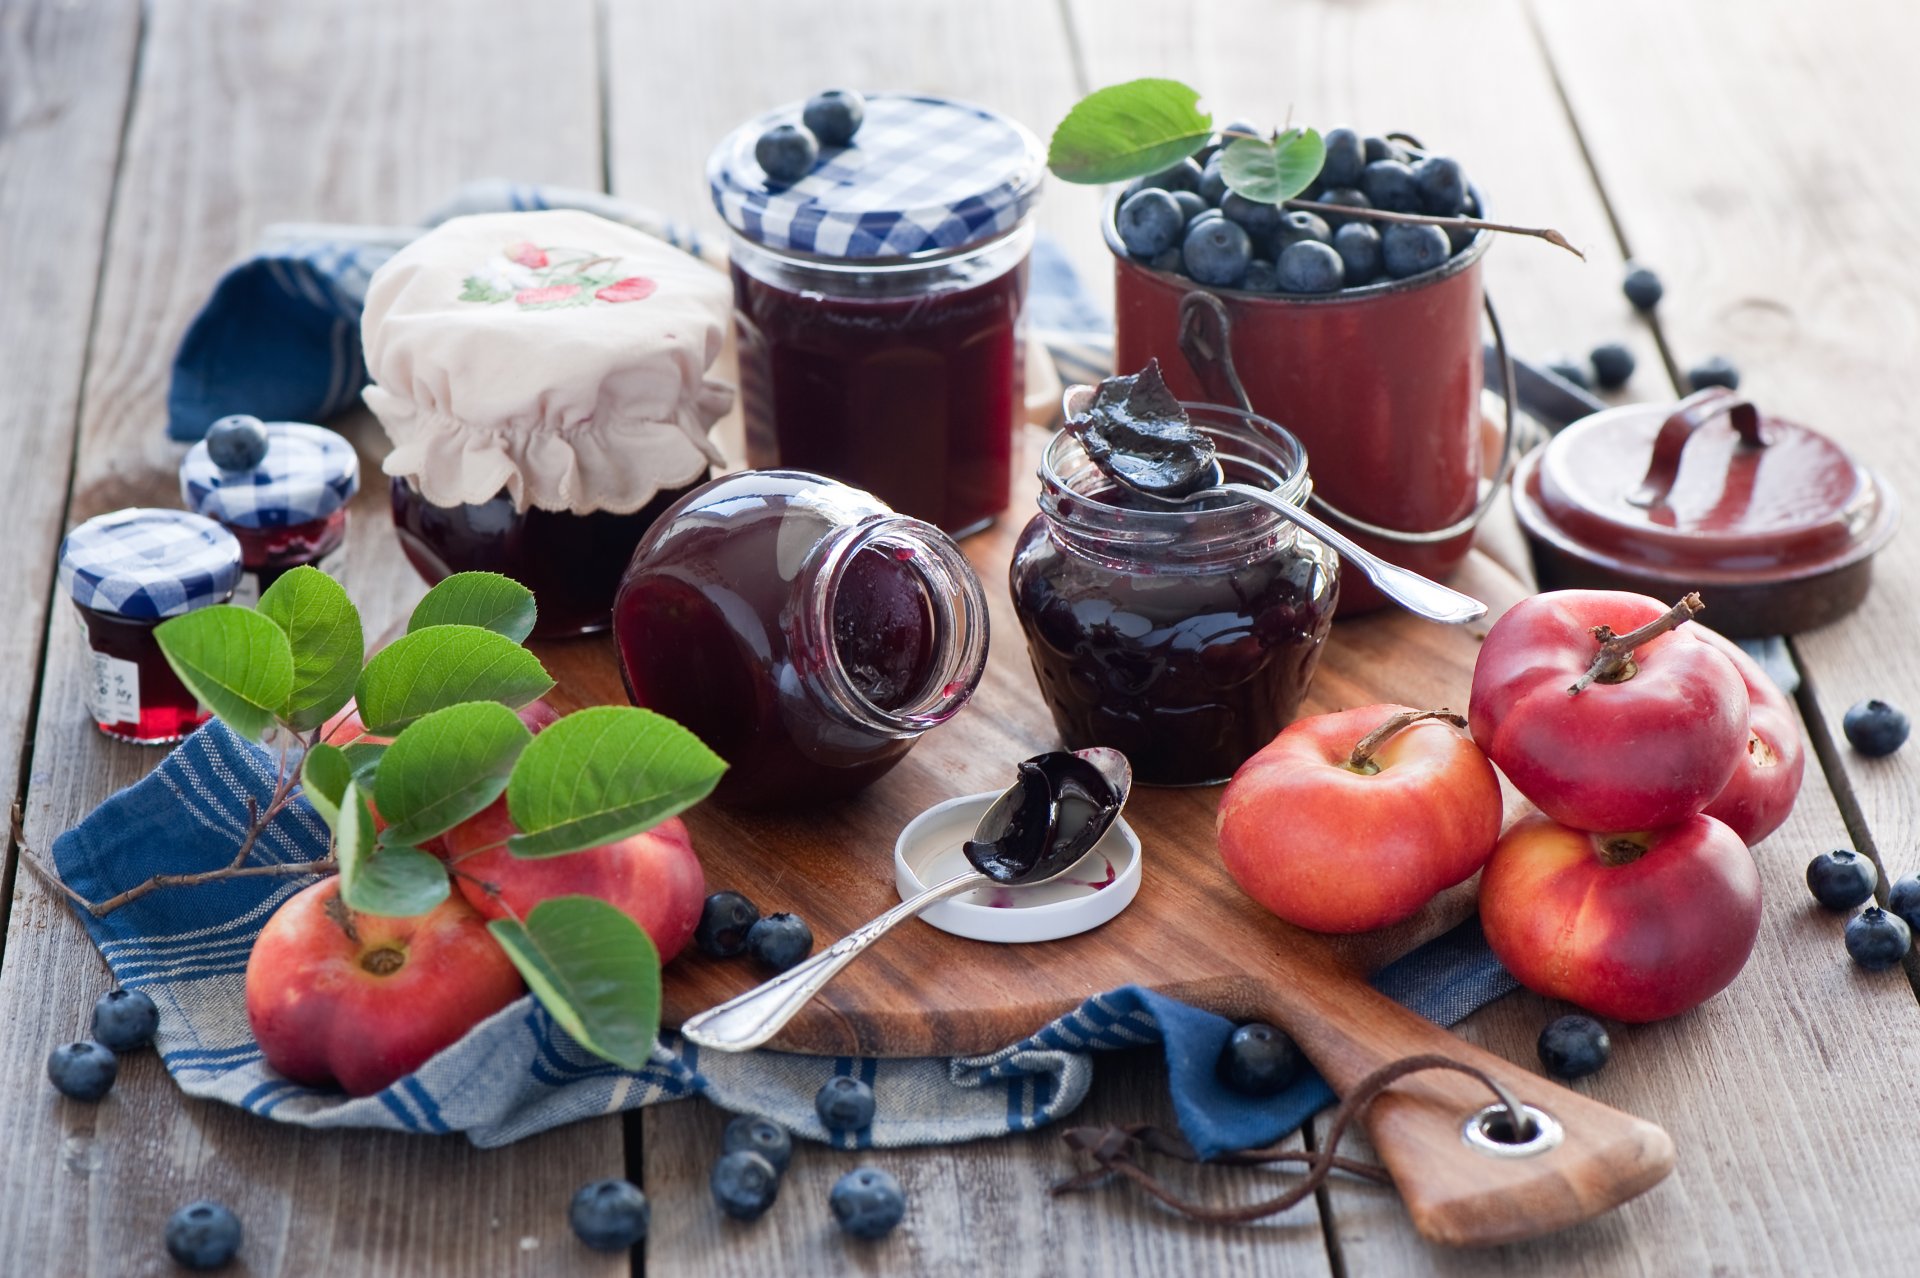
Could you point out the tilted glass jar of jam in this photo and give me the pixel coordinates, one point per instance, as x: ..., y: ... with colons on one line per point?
x: 804, y: 631
x: 288, y: 511
x: 1185, y: 638
x: 126, y: 573
x: 543, y: 377
x: 879, y: 301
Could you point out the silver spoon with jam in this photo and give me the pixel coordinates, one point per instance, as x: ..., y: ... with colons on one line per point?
x: 1036, y: 831
x: 1137, y: 433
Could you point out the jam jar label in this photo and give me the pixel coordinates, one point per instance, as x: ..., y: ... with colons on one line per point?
x: 113, y: 689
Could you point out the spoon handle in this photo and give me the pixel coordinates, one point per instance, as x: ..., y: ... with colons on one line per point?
x: 750, y: 1019
x: 1405, y: 587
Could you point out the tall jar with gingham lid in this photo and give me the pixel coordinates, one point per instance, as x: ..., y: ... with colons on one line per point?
x: 127, y: 572
x: 879, y: 301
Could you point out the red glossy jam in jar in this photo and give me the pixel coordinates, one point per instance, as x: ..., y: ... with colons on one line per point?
x: 804, y: 631
x: 289, y: 511
x: 127, y: 572
x: 1184, y: 638
x: 879, y: 302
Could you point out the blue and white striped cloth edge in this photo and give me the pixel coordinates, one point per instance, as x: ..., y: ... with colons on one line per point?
x: 149, y: 562
x: 309, y: 472
x: 518, y: 1073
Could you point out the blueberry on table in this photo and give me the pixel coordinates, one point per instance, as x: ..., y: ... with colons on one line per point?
x: 1257, y: 217
x: 779, y: 941
x: 763, y: 1136
x: 1358, y: 245
x: 834, y: 116
x: 1876, y: 939
x: 125, y: 1020
x: 786, y: 152
x: 1841, y: 879
x: 1408, y: 248
x: 867, y: 1202
x: 1310, y: 267
x: 203, y: 1235
x: 1574, y: 1047
x: 1346, y: 157
x: 1258, y: 1060
x: 1216, y: 251
x: 1262, y: 277
x: 1903, y: 900
x: 1389, y: 184
x: 1191, y: 204
x: 237, y: 443
x: 1875, y: 727
x: 1612, y: 365
x: 1569, y: 369
x: 744, y: 1184
x: 1346, y: 197
x: 725, y: 920
x: 844, y: 1105
x: 1443, y: 185
x: 1715, y: 370
x: 1149, y: 222
x: 1642, y: 287
x: 1184, y: 176
x: 84, y: 1070
x: 609, y: 1215
x: 1300, y: 225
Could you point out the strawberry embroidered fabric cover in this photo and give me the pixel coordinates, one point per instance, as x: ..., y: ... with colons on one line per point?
x: 555, y: 355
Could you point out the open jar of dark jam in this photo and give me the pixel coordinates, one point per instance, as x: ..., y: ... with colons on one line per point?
x: 127, y: 572
x: 287, y: 512
x: 879, y: 302
x: 803, y: 630
x: 1183, y: 638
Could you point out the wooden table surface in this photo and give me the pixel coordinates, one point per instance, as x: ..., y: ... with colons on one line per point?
x: 1755, y: 153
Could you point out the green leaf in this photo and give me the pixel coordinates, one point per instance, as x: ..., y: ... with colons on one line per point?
x: 352, y: 834
x: 442, y: 666
x: 594, y: 970
x: 484, y: 599
x: 398, y: 882
x: 323, y: 628
x: 1269, y: 172
x: 602, y: 774
x: 364, y: 758
x: 324, y: 776
x: 1127, y: 131
x: 444, y: 768
x: 237, y: 662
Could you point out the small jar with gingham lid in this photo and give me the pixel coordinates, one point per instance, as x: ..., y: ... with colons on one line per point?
x: 879, y: 300
x: 127, y: 572
x: 288, y: 511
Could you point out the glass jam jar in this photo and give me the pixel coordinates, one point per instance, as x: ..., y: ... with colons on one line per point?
x: 1184, y: 638
x: 126, y: 573
x: 286, y: 512
x: 804, y: 631
x: 880, y: 302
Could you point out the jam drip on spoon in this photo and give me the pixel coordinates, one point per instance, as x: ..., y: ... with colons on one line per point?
x: 1137, y: 432
x: 1063, y: 808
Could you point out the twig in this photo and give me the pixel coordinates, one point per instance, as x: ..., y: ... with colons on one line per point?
x: 1613, y: 661
x: 326, y: 865
x: 1548, y: 234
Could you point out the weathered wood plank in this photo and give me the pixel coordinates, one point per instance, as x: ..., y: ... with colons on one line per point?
x: 364, y: 112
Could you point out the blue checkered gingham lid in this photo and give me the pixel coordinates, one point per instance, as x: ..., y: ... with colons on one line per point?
x: 146, y: 562
x: 309, y: 472
x: 923, y: 175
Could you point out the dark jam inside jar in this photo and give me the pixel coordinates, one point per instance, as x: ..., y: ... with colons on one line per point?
x: 572, y: 563
x: 270, y: 553
x: 133, y: 692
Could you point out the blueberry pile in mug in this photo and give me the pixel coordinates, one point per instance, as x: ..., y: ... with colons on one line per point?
x: 1186, y: 221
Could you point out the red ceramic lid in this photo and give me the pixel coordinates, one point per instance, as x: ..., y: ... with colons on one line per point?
x: 1711, y: 488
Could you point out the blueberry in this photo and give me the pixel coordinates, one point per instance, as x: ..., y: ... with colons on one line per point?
x: 1258, y: 1060
x: 844, y: 1105
x: 1167, y: 261
x: 1612, y: 365
x: 1569, y: 369
x: 1408, y: 248
x: 834, y: 116
x: 1346, y: 157
x: 779, y: 941
x: 609, y: 1215
x: 744, y: 1184
x: 763, y: 1136
x: 1574, y: 1047
x: 1184, y: 176
x: 1259, y: 219
x: 1443, y: 186
x: 1241, y: 126
x: 1380, y: 149
x: 724, y: 922
x: 1876, y: 939
x: 1346, y: 197
x: 1301, y: 225
x: 125, y: 1020
x: 1216, y: 251
x: 1213, y: 183
x: 786, y: 152
x: 1715, y: 370
x: 1841, y: 880
x: 1642, y: 287
x: 1191, y: 204
x: 1359, y: 248
x: 1205, y: 215
x: 1875, y: 727
x: 203, y: 1235
x: 867, y: 1202
x: 1458, y: 237
x: 1309, y: 267
x: 83, y: 1070
x: 1149, y: 222
x: 1389, y: 184
x: 237, y: 443
x: 1262, y: 277
x: 1903, y: 899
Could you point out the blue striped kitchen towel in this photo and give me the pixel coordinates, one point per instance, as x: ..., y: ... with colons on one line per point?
x: 518, y: 1073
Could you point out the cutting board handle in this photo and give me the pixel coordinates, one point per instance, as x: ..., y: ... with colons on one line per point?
x: 1461, y: 1190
